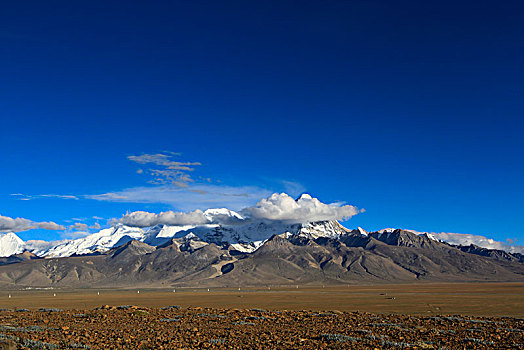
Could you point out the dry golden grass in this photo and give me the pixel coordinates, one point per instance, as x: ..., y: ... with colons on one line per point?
x: 481, y: 299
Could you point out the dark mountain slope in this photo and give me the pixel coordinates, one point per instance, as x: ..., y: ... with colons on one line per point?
x: 399, y: 256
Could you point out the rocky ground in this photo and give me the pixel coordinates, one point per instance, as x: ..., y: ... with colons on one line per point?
x: 131, y: 327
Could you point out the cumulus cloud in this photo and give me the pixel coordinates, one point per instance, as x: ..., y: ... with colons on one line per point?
x: 49, y: 225
x: 165, y: 170
x: 8, y: 224
x: 146, y: 219
x: 282, y: 207
x: 78, y: 226
x: 278, y: 207
x: 481, y: 241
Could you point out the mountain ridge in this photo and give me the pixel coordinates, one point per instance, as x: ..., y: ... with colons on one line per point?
x: 287, y: 258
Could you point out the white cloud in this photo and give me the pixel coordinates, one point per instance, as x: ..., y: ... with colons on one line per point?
x: 282, y: 207
x: 27, y: 197
x: 165, y: 170
x: 78, y: 226
x: 278, y: 207
x: 176, y: 188
x: 37, y: 246
x: 8, y: 224
x: 481, y: 241
x: 186, y: 199
x: 75, y: 234
x: 145, y: 219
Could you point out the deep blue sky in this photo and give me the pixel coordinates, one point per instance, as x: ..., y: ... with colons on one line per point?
x: 412, y: 110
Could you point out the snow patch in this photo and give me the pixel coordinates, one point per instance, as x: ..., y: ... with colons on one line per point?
x: 10, y: 244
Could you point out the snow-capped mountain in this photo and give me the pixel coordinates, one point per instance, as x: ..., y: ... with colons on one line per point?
x: 225, y: 228
x: 242, y: 234
x: 101, y: 241
x: 10, y: 244
x: 223, y: 214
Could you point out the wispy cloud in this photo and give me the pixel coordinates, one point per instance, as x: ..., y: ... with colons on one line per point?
x: 27, y: 197
x: 8, y: 224
x: 95, y: 226
x: 174, y: 186
x: 67, y: 235
x: 201, y: 196
x: 293, y: 188
x: 165, y: 170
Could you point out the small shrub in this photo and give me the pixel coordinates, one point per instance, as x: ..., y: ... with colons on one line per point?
x: 396, y: 344
x: 171, y: 307
x: 478, y: 341
x: 78, y: 346
x: 37, y: 344
x: 124, y: 307
x: 243, y: 323
x: 50, y: 309
x: 339, y: 338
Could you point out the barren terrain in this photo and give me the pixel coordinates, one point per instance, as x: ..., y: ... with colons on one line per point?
x: 440, y: 316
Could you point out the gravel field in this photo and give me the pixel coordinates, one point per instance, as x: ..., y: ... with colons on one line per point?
x: 421, y: 316
x: 132, y: 327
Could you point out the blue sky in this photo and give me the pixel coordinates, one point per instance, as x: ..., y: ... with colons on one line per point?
x: 410, y: 110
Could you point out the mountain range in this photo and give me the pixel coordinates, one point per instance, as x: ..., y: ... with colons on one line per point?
x: 242, y: 252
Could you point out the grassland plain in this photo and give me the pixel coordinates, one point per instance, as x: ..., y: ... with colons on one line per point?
x: 445, y: 316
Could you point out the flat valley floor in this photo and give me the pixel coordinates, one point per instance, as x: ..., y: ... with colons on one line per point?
x: 476, y: 299
x: 438, y: 316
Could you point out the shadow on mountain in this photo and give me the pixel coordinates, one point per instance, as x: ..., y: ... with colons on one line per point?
x: 392, y: 257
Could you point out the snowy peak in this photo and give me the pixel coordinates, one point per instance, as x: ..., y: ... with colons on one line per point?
x: 244, y: 235
x: 10, y: 244
x: 330, y: 229
x: 223, y: 216
x: 304, y: 196
x: 100, y: 241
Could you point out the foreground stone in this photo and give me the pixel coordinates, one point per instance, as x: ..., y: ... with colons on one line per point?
x: 171, y: 327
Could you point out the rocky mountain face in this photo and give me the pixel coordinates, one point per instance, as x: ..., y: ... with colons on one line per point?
x: 18, y: 258
x: 492, y: 253
x: 315, y: 253
x: 245, y: 235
